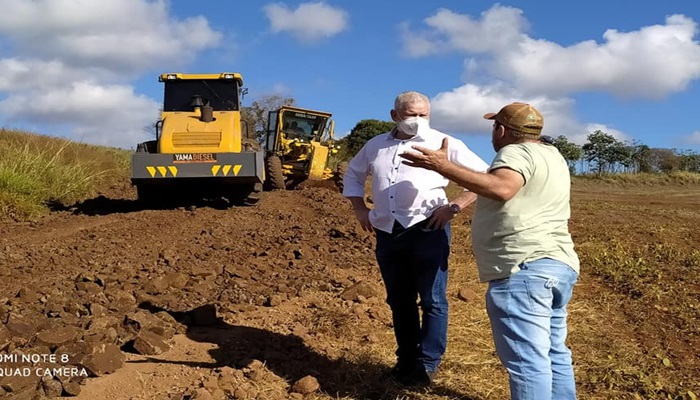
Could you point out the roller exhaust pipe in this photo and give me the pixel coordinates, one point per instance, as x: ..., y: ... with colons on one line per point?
x: 207, y: 114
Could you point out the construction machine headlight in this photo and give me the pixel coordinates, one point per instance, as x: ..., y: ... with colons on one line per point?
x: 228, y: 76
x: 171, y: 76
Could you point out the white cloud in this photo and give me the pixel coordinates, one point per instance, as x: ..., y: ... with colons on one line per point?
x: 461, y: 111
x: 693, y: 139
x: 448, y: 31
x: 309, y: 22
x: 626, y: 64
x: 652, y: 62
x: 23, y: 74
x: 125, y: 35
x: 101, y: 114
x: 72, y: 61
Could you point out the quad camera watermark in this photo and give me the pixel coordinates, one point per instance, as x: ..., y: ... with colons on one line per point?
x: 24, y: 365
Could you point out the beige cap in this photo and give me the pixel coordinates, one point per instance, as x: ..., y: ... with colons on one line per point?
x: 521, y: 117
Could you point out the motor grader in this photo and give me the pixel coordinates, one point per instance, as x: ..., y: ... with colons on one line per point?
x: 299, y: 144
x: 201, y: 147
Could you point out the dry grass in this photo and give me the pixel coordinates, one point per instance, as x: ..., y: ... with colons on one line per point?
x: 637, y: 333
x: 640, y: 180
x: 37, y: 170
x: 633, y: 318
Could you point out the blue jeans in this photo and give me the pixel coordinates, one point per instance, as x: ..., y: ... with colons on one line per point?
x: 528, y: 321
x: 414, y: 264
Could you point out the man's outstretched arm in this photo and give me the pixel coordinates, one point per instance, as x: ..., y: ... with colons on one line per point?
x: 500, y: 184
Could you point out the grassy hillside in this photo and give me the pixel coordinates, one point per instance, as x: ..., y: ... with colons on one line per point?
x: 38, y: 170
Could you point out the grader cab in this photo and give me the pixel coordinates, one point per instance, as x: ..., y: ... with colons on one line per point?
x: 299, y: 145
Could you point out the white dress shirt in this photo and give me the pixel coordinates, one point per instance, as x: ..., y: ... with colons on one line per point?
x: 400, y: 192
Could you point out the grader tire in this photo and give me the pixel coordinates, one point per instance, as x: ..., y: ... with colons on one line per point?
x: 275, y: 175
x: 340, y: 170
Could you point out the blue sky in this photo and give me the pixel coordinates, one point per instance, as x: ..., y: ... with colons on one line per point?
x: 87, y: 69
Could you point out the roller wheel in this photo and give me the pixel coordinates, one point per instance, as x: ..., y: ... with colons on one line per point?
x: 147, y: 195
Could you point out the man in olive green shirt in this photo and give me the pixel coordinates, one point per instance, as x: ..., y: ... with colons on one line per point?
x: 523, y: 249
x: 533, y: 224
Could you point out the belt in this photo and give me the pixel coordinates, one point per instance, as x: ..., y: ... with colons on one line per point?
x: 398, y: 230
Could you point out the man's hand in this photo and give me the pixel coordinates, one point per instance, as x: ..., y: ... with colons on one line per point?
x: 362, y: 216
x: 361, y: 212
x: 440, y: 218
x: 434, y: 160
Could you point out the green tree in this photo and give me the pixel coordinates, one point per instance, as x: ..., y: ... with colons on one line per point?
x: 360, y: 134
x: 689, y: 161
x: 601, y: 151
x: 255, y: 115
x: 664, y: 160
x: 570, y: 151
x: 620, y: 158
x: 641, y: 156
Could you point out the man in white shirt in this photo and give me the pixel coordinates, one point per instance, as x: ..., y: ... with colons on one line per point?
x: 411, y: 216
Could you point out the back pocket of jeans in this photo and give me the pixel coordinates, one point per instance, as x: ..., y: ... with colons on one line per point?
x: 540, y: 296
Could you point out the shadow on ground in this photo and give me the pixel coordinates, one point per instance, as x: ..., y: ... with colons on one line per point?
x: 288, y: 357
x: 102, y: 205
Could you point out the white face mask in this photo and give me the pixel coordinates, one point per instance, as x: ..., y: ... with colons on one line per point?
x: 412, y: 126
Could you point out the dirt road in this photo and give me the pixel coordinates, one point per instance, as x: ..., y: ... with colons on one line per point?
x: 211, y: 292
x: 283, y: 300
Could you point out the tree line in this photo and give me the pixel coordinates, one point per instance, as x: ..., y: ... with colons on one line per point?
x: 604, y: 154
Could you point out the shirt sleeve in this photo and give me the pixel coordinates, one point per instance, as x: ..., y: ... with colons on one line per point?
x: 459, y: 153
x: 356, y: 174
x: 515, y: 157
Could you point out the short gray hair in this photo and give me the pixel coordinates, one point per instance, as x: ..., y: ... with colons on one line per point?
x: 410, y: 97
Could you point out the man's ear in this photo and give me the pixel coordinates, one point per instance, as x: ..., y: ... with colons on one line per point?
x: 394, y: 115
x: 502, y: 131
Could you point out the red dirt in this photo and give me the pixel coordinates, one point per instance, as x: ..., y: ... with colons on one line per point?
x: 281, y: 300
x: 238, y: 285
